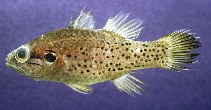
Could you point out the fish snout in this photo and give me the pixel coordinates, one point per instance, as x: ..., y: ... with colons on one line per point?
x: 9, y: 57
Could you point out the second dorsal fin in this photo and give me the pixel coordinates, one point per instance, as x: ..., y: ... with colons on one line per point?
x: 128, y: 30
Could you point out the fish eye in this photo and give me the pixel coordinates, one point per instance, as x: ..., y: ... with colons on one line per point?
x: 50, y: 57
x: 22, y: 54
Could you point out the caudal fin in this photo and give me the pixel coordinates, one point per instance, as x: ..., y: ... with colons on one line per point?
x: 178, y: 51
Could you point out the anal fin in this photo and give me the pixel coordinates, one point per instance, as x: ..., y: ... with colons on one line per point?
x: 126, y: 83
x: 84, y: 89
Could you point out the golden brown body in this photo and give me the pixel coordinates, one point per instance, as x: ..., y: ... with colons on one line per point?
x: 89, y: 57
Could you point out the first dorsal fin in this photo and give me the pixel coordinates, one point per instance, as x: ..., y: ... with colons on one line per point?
x: 83, y: 21
x: 128, y: 30
x: 126, y: 84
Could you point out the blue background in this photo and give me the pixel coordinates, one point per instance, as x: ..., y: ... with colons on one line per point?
x: 23, y: 20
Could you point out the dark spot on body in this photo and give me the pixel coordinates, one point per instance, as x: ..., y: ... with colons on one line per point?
x: 101, y: 62
x: 127, y: 57
x: 68, y: 55
x: 85, y: 66
x: 106, y: 65
x: 83, y: 52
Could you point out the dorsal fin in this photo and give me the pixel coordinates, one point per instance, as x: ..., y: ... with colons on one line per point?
x: 128, y: 30
x: 83, y: 21
x: 126, y: 84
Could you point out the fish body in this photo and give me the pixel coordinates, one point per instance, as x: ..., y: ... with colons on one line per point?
x: 80, y: 56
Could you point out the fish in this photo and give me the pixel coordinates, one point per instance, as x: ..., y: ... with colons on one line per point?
x: 80, y: 55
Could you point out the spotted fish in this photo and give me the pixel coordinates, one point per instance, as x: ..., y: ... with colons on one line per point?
x: 80, y: 55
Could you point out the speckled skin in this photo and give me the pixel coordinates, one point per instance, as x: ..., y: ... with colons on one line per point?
x: 87, y: 57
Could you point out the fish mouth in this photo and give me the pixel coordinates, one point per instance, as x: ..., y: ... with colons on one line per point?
x: 33, y: 63
x: 36, y: 62
x: 16, y: 68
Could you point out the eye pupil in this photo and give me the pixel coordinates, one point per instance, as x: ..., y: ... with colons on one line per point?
x: 50, y: 57
x: 22, y: 54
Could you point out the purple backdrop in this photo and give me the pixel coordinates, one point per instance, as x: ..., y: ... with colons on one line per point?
x: 24, y: 20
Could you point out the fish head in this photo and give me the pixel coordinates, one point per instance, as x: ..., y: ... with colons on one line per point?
x: 35, y: 61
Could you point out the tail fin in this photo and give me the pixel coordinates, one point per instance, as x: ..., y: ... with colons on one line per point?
x: 180, y: 44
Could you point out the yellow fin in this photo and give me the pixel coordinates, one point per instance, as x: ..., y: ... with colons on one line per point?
x: 179, y: 51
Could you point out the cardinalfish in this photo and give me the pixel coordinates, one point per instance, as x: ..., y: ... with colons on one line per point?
x: 80, y: 55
